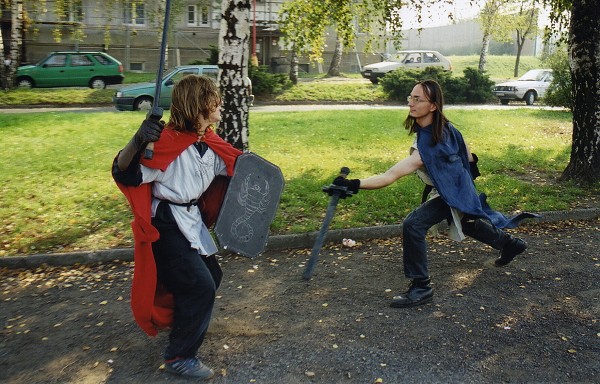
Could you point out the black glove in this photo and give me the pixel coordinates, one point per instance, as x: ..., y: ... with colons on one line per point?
x: 352, y: 185
x: 473, y: 167
x: 148, y: 132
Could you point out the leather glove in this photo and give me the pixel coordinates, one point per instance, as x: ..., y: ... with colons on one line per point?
x: 148, y: 132
x: 352, y: 185
x: 473, y: 167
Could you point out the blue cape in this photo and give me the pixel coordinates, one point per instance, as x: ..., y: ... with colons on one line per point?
x: 448, y: 166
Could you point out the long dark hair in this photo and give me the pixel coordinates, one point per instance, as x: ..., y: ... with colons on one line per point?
x: 434, y: 94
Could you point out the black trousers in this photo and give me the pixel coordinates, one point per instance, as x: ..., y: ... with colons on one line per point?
x: 418, y: 222
x: 191, y: 278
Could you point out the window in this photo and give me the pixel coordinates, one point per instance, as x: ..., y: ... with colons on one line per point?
x: 103, y: 60
x: 211, y: 72
x: 198, y: 16
x: 56, y: 61
x: 80, y: 60
x: 133, y: 13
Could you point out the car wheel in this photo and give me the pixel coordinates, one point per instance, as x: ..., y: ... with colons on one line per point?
x: 529, y: 98
x: 25, y: 82
x: 374, y: 80
x: 504, y: 101
x: 97, y: 83
x: 143, y: 103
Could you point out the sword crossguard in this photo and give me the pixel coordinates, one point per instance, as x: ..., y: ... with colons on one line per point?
x: 333, y: 189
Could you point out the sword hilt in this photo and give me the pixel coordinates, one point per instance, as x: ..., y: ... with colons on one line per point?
x: 156, y: 113
x: 339, y: 190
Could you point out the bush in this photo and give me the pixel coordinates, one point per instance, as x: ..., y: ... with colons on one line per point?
x: 478, y: 86
x: 474, y: 87
x: 559, y: 93
x: 265, y: 83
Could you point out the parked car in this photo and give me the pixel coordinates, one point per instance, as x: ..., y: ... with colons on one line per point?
x: 140, y: 96
x: 418, y: 59
x: 529, y: 87
x: 72, y: 69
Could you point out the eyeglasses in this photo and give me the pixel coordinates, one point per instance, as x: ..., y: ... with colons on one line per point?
x: 414, y: 99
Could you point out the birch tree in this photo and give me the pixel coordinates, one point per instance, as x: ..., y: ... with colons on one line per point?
x: 234, y: 54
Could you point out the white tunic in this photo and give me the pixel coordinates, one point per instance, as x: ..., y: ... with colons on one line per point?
x: 184, y: 180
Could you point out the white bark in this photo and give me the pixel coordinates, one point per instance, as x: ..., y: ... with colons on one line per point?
x: 234, y: 38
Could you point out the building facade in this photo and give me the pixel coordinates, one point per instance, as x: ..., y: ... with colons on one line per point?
x: 130, y: 30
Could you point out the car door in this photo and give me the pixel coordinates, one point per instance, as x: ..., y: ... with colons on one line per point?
x: 168, y: 83
x: 81, y: 69
x: 412, y: 60
x: 52, y: 71
x: 543, y: 83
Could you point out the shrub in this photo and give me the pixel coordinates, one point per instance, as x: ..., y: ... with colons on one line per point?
x: 213, y: 59
x: 265, y: 83
x: 559, y: 93
x: 478, y: 86
x: 474, y: 87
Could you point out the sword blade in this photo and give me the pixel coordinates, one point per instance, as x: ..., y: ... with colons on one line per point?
x: 314, y: 256
x: 156, y: 112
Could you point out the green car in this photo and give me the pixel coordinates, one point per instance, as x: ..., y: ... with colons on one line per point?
x: 139, y: 97
x: 72, y: 69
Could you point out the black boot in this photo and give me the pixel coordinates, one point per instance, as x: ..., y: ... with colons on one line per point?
x: 512, y: 248
x: 419, y: 292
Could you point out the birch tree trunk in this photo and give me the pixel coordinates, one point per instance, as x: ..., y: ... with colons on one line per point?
x: 336, y: 60
x: 16, y: 41
x: 294, y: 66
x: 584, y: 54
x: 234, y: 51
x: 484, y: 52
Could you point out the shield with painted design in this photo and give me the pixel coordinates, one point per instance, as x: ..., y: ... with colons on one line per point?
x: 249, y: 206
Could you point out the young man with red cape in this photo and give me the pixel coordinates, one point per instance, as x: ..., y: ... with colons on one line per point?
x: 175, y: 197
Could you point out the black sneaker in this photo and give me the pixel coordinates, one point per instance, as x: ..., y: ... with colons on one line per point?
x: 189, y: 367
x: 514, y: 247
x: 419, y: 292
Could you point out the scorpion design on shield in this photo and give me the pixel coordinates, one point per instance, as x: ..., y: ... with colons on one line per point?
x: 253, y: 198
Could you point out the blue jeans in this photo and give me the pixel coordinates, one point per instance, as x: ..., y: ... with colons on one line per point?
x: 418, y: 222
x: 193, y: 281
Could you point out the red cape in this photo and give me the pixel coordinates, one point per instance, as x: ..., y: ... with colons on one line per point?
x: 151, y: 303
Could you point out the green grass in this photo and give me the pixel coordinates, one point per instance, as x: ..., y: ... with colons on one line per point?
x: 58, y: 194
x: 499, y: 68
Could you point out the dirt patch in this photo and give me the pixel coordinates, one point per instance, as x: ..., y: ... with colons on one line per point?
x: 536, y: 320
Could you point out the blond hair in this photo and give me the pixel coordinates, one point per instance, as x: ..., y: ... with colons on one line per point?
x: 193, y: 96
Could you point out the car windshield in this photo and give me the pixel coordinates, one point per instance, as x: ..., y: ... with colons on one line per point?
x: 533, y: 75
x: 167, y: 73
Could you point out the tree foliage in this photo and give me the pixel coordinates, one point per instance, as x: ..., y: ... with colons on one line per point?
x: 304, y: 22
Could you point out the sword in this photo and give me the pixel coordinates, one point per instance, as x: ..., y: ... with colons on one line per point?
x: 156, y: 112
x: 336, y: 192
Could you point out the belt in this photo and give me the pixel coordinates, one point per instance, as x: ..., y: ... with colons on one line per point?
x: 189, y: 204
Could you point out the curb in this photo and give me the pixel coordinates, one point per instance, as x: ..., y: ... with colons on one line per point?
x: 303, y: 240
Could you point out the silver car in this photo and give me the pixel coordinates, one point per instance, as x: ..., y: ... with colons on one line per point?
x: 417, y: 59
x: 529, y: 87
